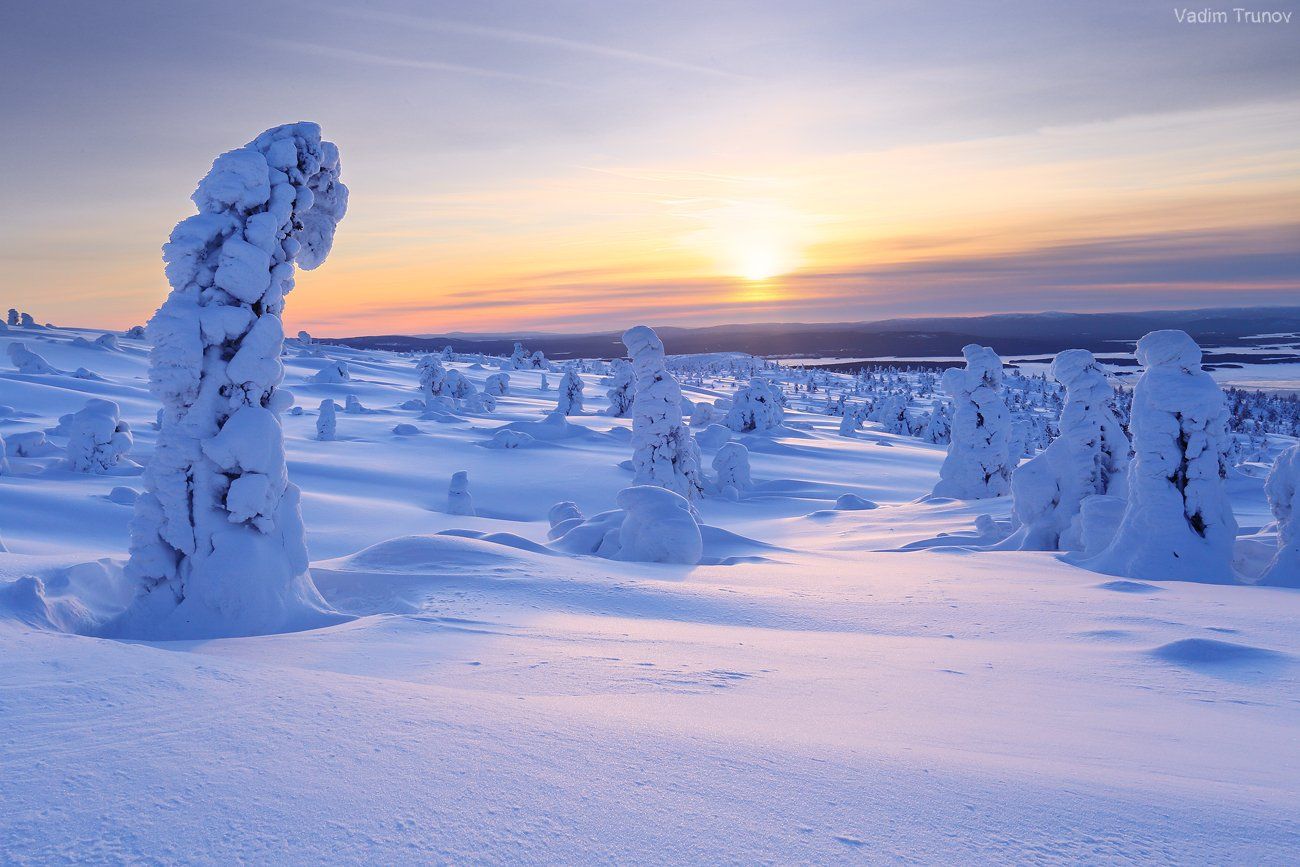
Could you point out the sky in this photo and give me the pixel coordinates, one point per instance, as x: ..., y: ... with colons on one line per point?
x: 581, y: 165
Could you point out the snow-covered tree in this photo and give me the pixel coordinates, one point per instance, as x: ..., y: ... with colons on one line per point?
x: 663, y: 452
x: 459, y: 501
x: 1283, y: 491
x: 1089, y: 457
x: 1178, y: 523
x: 97, y: 437
x: 327, y: 421
x: 731, y: 467
x: 456, y: 385
x: 569, y: 400
x: 332, y: 373
x: 27, y: 321
x: 938, y: 427
x: 27, y: 361
x: 519, y: 358
x: 217, y: 543
x: 497, y: 385
x: 756, y: 407
x: 545, y: 384
x: 12, y: 319
x: 432, y: 376
x: 622, y: 388
x: 4, y: 457
x: 978, y: 464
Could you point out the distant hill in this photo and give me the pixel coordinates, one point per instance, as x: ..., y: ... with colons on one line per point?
x: 1010, y: 334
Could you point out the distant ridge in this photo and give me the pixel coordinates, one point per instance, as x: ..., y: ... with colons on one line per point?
x: 1008, y: 333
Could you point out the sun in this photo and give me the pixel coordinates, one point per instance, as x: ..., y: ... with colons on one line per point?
x: 758, y: 265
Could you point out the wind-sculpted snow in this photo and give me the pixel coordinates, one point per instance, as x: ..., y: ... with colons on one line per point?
x: 217, y: 544
x: 1178, y: 524
x: 524, y: 662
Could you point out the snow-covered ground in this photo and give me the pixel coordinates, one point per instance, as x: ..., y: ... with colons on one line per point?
x: 811, y: 694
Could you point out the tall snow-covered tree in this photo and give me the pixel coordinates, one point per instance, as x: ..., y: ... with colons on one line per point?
x: 97, y: 437
x: 622, y: 388
x: 1089, y: 457
x: 217, y: 543
x: 664, y: 453
x: 978, y: 464
x: 569, y: 400
x: 1283, y: 490
x: 1178, y: 523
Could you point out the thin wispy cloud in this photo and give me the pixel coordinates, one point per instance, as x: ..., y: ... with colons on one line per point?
x: 522, y: 37
x: 348, y: 54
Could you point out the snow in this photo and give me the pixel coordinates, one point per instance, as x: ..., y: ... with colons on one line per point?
x: 808, y: 692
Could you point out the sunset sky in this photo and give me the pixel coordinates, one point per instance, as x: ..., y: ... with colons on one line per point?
x: 584, y: 165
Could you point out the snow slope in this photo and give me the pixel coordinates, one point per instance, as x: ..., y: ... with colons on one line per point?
x: 813, y: 694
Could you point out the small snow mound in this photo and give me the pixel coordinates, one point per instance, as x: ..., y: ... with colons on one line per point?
x: 440, y: 553
x: 123, y: 495
x: 510, y: 439
x: 405, y: 430
x: 1212, y: 653
x: 852, y: 503
x: 1125, y: 586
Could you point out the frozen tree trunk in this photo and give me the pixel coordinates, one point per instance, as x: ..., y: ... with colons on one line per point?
x: 217, y: 543
x: 97, y: 438
x: 978, y: 464
x: 570, y: 392
x: 1089, y: 458
x: 327, y: 421
x: 1283, y: 490
x: 622, y: 389
x: 664, y: 453
x: 1178, y: 524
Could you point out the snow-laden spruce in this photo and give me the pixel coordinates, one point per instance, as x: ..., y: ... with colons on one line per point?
x: 1283, y: 491
x: 622, y: 389
x: 756, y: 407
x: 664, y: 453
x: 978, y: 464
x: 327, y: 421
x: 432, y: 376
x: 1178, y: 523
x: 497, y: 384
x: 1089, y: 457
x: 97, y: 438
x: 569, y: 394
x: 217, y: 543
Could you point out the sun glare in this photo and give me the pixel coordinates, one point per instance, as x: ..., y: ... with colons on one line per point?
x: 753, y: 240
